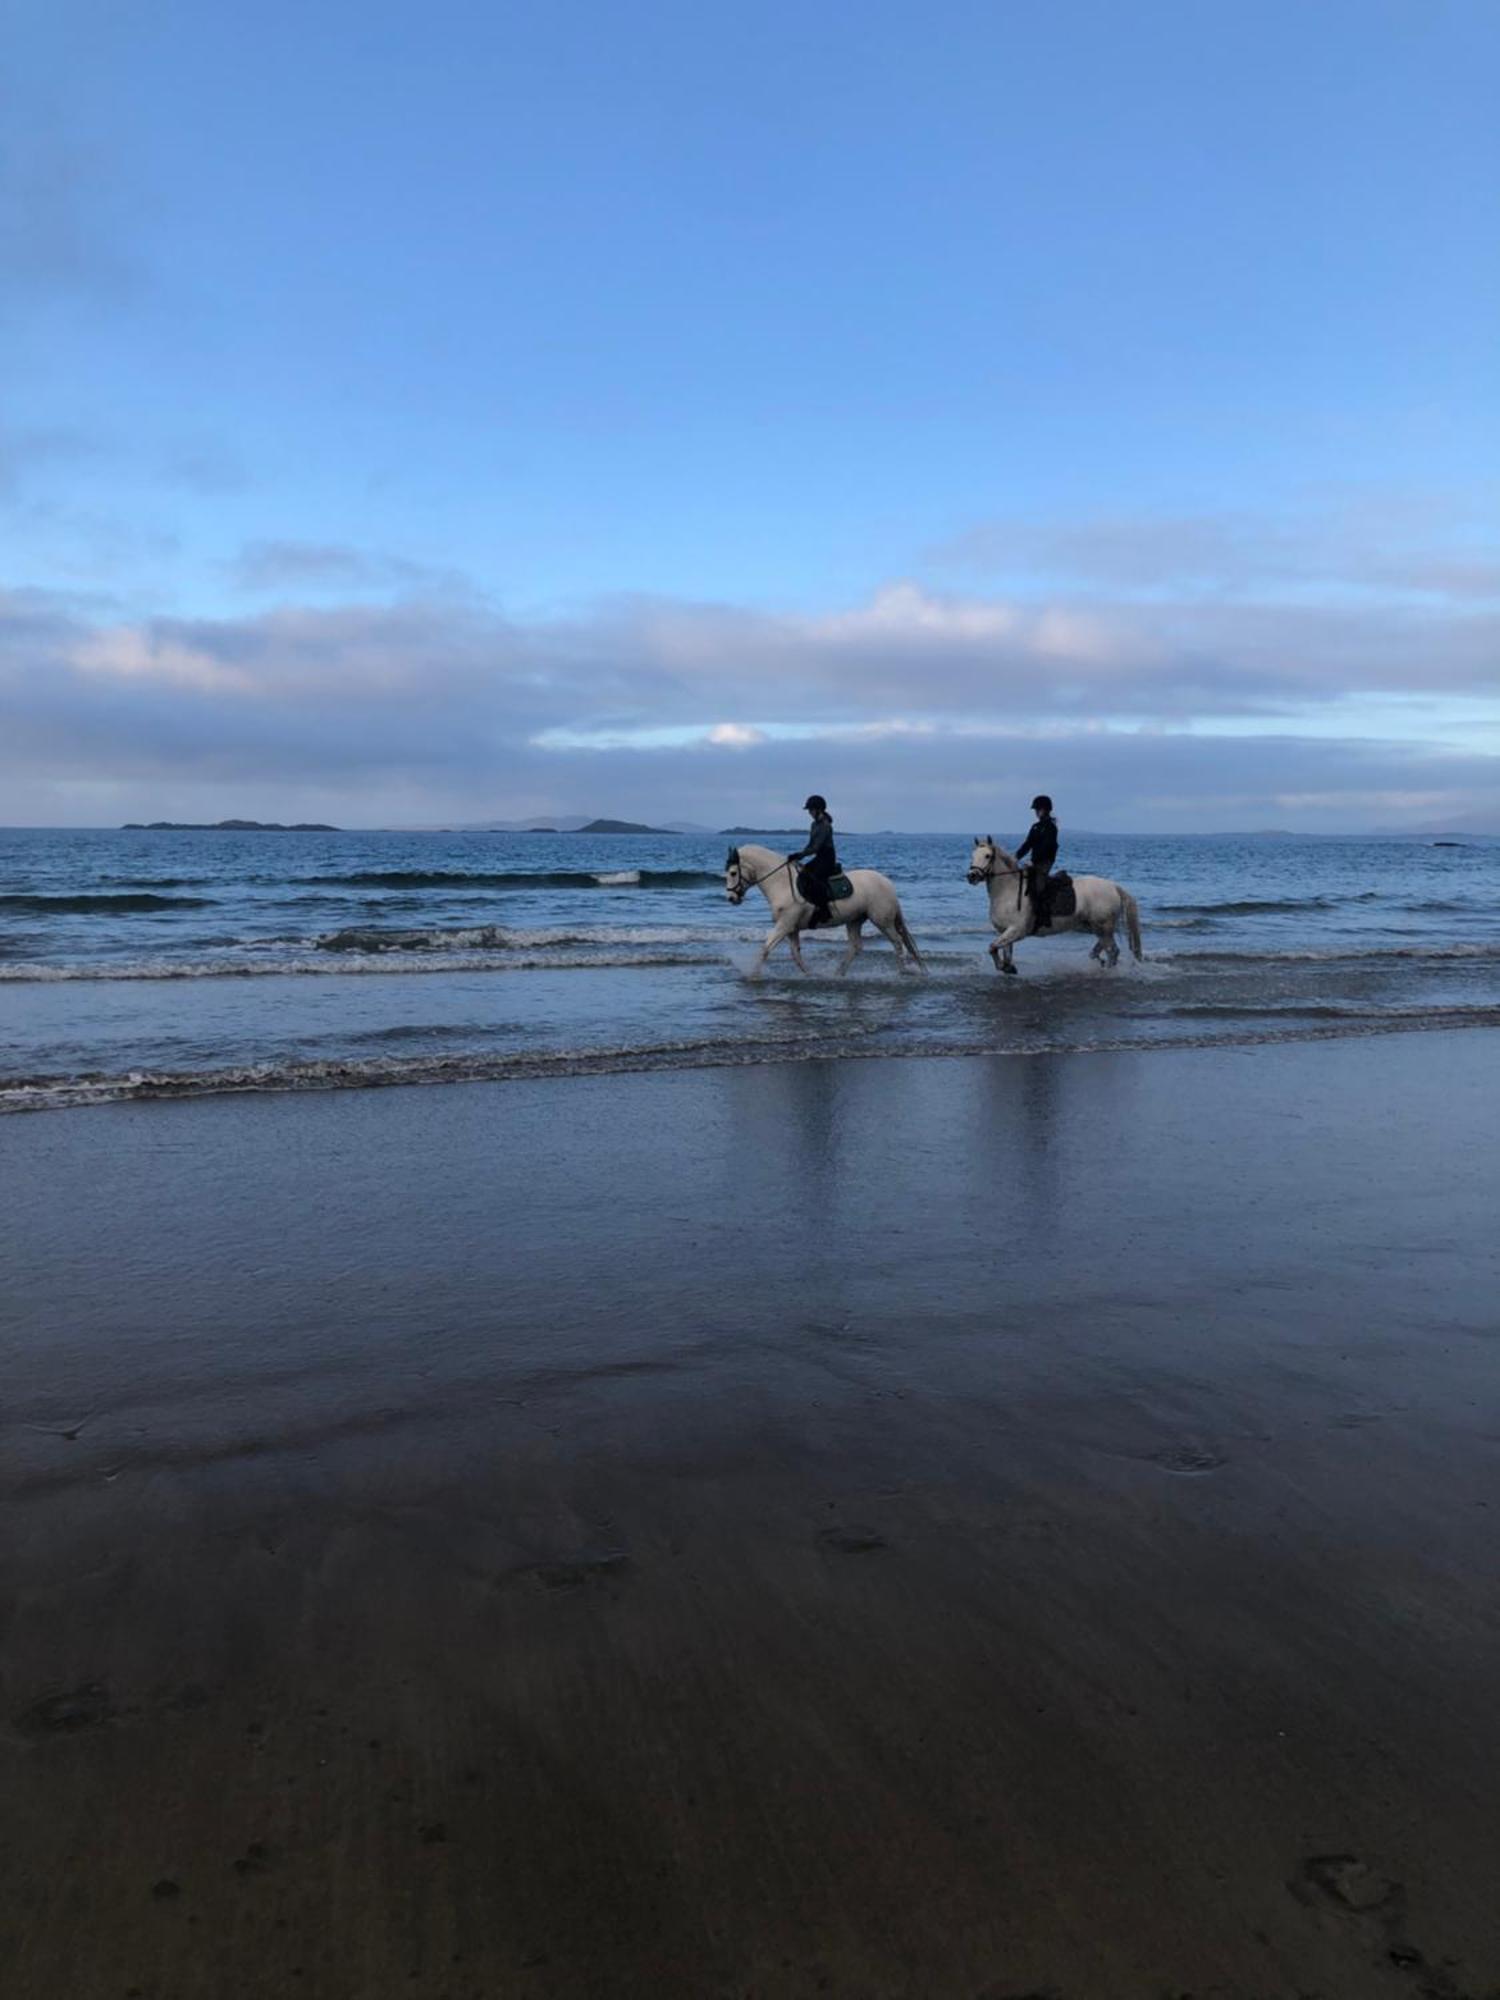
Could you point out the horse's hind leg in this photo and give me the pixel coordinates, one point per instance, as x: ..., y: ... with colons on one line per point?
x: 856, y: 945
x: 893, y: 937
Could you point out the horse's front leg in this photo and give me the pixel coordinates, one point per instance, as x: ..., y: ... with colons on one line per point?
x: 1000, y: 950
x: 773, y: 938
x: 794, y: 939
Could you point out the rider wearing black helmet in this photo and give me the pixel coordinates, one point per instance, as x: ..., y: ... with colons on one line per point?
x: 1041, y: 845
x: 822, y: 861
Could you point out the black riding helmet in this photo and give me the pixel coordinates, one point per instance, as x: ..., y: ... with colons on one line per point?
x: 815, y: 804
x: 1041, y: 803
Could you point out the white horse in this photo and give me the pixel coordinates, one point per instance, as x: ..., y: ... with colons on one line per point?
x: 1101, y: 905
x: 874, y: 901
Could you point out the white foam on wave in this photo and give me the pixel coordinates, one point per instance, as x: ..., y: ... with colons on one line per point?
x: 373, y: 966
x: 365, y: 1073
x: 622, y: 878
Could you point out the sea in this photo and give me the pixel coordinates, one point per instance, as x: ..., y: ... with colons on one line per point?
x: 163, y: 964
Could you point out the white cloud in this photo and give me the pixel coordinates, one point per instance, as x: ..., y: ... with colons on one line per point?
x: 912, y: 701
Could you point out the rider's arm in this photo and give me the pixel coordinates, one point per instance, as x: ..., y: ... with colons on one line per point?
x: 819, y: 838
x: 1025, y: 848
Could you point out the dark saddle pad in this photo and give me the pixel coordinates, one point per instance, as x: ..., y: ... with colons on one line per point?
x: 1062, y: 897
x: 837, y: 887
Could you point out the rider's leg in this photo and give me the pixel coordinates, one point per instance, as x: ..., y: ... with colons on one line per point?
x: 812, y: 884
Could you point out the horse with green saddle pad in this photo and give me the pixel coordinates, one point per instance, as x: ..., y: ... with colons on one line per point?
x: 856, y: 897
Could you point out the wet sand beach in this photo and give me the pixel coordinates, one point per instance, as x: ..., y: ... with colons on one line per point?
x: 1002, y: 1527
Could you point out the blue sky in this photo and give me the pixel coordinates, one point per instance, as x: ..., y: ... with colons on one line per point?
x: 478, y: 410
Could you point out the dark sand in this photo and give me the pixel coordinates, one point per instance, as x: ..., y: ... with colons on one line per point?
x: 489, y: 1541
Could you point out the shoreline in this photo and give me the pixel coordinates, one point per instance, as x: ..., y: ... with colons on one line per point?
x: 439, y: 1071
x: 809, y: 1527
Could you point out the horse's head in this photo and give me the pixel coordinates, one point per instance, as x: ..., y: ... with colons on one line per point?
x: 735, y: 884
x: 984, y: 860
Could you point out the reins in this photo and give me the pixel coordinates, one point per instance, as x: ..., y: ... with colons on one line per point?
x: 992, y: 872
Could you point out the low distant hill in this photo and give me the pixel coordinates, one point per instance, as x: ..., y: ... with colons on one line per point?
x: 225, y: 826
x: 619, y: 826
x: 566, y: 823
x: 1477, y: 826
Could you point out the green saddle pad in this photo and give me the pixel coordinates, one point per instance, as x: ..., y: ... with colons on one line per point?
x: 839, y: 886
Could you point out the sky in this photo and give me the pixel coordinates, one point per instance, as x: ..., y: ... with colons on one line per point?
x: 427, y: 415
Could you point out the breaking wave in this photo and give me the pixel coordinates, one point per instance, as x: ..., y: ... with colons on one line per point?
x: 478, y: 937
x: 161, y: 881
x: 52, y: 1093
x: 1268, y: 907
x: 100, y: 905
x: 514, y: 879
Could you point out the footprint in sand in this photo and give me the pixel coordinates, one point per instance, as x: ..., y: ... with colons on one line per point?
x: 852, y: 1540
x: 580, y: 1570
x: 1350, y: 1882
x: 1377, y: 1903
x: 1009, y: 1993
x: 86, y: 1707
x: 1187, y: 1460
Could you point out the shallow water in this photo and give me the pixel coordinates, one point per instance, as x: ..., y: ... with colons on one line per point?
x: 138, y: 964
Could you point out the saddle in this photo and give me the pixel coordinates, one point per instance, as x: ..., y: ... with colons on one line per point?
x: 837, y: 886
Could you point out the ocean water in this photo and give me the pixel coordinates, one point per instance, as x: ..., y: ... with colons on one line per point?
x: 156, y: 964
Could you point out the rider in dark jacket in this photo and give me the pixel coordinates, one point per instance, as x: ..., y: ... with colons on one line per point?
x: 821, y: 859
x: 1041, y: 845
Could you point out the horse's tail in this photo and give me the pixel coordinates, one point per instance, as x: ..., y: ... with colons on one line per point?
x: 909, y: 941
x: 1132, y: 911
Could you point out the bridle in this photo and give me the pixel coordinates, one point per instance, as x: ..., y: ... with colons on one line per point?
x: 742, y: 888
x: 989, y: 874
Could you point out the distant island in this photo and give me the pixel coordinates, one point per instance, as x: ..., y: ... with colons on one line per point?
x: 224, y: 826
x: 781, y: 832
x: 616, y: 826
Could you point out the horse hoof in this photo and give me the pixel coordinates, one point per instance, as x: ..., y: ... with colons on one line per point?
x: 1011, y: 969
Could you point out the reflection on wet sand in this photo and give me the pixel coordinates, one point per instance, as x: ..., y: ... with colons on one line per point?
x: 962, y: 1527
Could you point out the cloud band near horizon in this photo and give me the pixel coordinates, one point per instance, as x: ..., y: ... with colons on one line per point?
x: 394, y: 692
